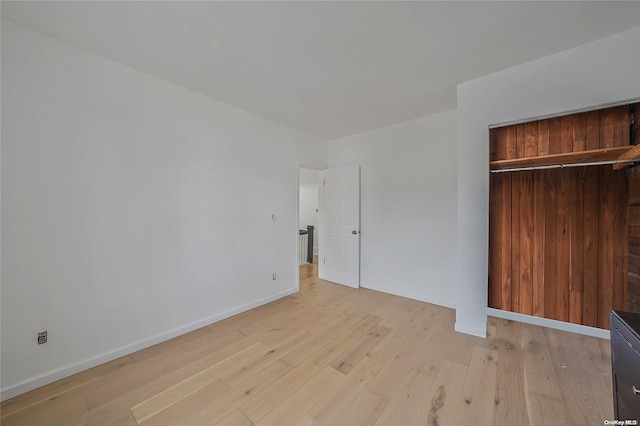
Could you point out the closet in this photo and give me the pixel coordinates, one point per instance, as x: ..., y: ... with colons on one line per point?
x: 564, y: 232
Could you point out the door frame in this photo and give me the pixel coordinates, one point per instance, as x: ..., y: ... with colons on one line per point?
x: 297, y: 234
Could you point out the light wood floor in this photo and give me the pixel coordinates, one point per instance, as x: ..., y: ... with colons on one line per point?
x: 335, y: 355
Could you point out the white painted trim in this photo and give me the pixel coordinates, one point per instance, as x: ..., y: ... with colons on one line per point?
x: 321, y: 220
x: 545, y: 322
x: 474, y: 331
x: 407, y: 294
x: 52, y: 376
x: 297, y: 230
x: 569, y: 112
x: 316, y: 250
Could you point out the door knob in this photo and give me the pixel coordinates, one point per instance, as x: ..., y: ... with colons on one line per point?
x: 354, y: 232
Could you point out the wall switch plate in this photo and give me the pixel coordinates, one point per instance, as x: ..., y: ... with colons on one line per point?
x: 274, y: 276
x: 42, y: 337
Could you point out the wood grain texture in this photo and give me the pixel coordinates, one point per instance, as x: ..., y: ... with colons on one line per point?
x: 420, y: 372
x: 580, y: 132
x: 495, y: 235
x: 555, y: 132
x: 568, y: 232
x: 444, y: 389
x: 633, y: 153
x: 531, y: 139
x: 622, y: 126
x: 521, y: 147
x: 550, y: 243
x: 543, y: 137
x: 632, y: 301
x: 566, y: 134
x: 607, y: 126
x: 482, y: 375
x: 538, y: 262
x: 510, y: 399
x: 494, y: 154
x: 592, y: 130
x: 506, y: 244
x: 576, y: 276
x: 575, y: 389
x: 563, y: 258
x: 590, y: 247
x: 596, y: 155
x: 605, y: 252
x: 527, y: 226
x: 510, y: 142
x: 516, y: 195
x: 621, y: 237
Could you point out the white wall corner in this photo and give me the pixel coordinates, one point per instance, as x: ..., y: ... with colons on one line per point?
x: 472, y: 330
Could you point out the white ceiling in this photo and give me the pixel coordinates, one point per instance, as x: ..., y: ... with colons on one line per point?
x: 328, y: 68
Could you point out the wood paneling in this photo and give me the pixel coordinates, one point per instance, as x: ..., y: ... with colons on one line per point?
x: 550, y: 243
x: 526, y: 244
x: 538, y: 244
x: 506, y: 250
x: 590, y: 246
x: 563, y: 257
x: 599, y: 129
x: 620, y: 228
x: 576, y: 284
x: 592, y: 134
x: 555, y: 146
x: 596, y: 155
x: 607, y: 117
x: 559, y: 244
x: 516, y: 253
x: 633, y: 273
x: 605, y: 246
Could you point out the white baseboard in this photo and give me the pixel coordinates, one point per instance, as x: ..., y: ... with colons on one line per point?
x: 474, y: 331
x: 545, y: 322
x: 407, y: 294
x: 66, y: 371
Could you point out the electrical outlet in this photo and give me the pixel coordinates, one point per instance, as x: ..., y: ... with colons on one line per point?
x: 42, y: 337
x: 274, y: 276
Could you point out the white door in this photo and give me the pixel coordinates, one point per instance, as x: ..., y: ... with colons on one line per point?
x: 340, y: 226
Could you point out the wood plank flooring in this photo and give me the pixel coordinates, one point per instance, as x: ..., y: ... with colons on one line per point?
x: 332, y: 355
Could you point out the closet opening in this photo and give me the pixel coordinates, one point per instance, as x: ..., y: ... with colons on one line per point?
x: 564, y: 211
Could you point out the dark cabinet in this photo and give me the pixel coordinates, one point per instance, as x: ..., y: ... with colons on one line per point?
x: 625, y: 364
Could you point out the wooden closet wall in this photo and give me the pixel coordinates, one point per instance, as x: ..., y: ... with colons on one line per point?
x: 633, y: 294
x: 558, y: 245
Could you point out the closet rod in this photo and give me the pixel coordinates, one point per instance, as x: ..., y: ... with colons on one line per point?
x: 562, y: 166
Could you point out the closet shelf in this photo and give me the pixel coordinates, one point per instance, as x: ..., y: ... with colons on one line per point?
x: 591, y: 156
x: 632, y: 154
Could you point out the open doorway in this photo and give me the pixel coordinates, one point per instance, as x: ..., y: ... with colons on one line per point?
x: 308, y: 205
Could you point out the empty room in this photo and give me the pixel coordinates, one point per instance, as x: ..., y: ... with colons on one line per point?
x: 320, y: 213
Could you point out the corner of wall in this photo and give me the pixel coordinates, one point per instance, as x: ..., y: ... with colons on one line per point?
x: 474, y: 331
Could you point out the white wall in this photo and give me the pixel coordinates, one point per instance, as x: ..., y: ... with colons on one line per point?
x: 309, y: 202
x: 408, y: 206
x: 133, y: 210
x: 600, y: 72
